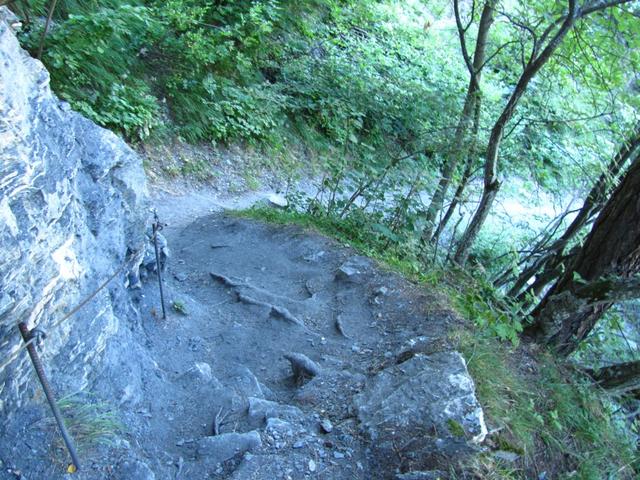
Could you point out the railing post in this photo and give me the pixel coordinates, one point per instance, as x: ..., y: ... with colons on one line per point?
x: 37, y: 365
x: 157, y: 226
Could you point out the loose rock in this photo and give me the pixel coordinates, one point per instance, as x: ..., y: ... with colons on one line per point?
x: 303, y: 367
x: 214, y: 450
x: 326, y: 425
x: 355, y: 270
x: 261, y: 410
x: 134, y: 470
x: 423, y: 394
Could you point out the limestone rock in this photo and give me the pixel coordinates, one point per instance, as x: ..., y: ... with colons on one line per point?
x: 278, y: 200
x: 245, y: 383
x: 214, y: 450
x: 302, y: 366
x: 278, y: 427
x: 355, y: 270
x: 261, y: 410
x: 269, y: 467
x: 427, y: 403
x: 326, y: 425
x: 199, y: 373
x: 133, y: 470
x: 72, y: 207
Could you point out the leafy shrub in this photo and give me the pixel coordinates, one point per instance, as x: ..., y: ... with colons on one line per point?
x: 211, y: 111
x: 94, y: 64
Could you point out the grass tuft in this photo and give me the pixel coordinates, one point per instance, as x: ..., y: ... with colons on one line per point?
x: 547, y: 413
x: 90, y: 422
x: 180, y: 307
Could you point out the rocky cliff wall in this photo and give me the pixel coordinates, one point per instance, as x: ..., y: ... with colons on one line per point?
x: 72, y: 207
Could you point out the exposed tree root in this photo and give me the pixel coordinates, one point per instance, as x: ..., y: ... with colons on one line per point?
x: 303, y: 367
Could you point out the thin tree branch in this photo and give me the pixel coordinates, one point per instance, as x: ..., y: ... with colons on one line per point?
x: 461, y: 35
x: 52, y: 7
x: 498, y: 50
x: 598, y: 6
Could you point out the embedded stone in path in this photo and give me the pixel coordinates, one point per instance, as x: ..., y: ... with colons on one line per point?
x: 427, y: 405
x: 217, y: 449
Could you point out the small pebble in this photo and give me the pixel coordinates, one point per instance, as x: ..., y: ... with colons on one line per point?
x: 326, y: 425
x: 312, y: 466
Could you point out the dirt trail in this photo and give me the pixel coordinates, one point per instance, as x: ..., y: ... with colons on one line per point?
x: 218, y: 398
x: 245, y: 343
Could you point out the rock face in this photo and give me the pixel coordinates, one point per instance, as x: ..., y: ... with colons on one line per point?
x: 72, y: 208
x: 426, y: 404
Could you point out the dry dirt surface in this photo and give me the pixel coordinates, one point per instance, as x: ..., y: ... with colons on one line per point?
x: 283, y: 357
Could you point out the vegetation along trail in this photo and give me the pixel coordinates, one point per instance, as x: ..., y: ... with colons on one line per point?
x: 400, y: 238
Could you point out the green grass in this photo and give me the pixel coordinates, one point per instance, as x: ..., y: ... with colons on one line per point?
x: 180, y: 307
x: 547, y: 413
x: 544, y: 411
x: 90, y: 422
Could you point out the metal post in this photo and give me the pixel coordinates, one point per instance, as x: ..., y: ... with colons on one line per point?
x: 156, y: 228
x: 37, y: 364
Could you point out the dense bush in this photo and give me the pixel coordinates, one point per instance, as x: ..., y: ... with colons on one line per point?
x: 94, y: 61
x: 239, y: 70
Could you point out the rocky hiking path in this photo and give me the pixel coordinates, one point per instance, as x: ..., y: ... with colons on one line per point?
x: 285, y: 356
x: 376, y: 390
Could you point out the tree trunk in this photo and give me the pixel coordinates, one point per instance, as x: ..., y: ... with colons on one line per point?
x: 553, y: 256
x: 621, y: 378
x: 466, y: 175
x: 608, y: 260
x: 460, y: 140
x: 491, y: 183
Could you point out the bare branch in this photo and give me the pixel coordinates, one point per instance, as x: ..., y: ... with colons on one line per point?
x: 597, y: 6
x: 461, y: 35
x: 498, y: 50
x: 471, y: 16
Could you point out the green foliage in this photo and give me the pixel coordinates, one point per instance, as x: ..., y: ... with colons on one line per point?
x: 239, y: 70
x: 550, y: 410
x: 490, y: 311
x: 93, y: 61
x: 89, y: 421
x: 456, y: 429
x: 179, y: 307
x: 613, y: 340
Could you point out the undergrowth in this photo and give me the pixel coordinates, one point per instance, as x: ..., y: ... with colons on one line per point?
x: 90, y: 422
x: 551, y: 416
x: 547, y: 413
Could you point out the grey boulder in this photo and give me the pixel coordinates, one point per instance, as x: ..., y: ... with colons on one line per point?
x: 214, y: 450
x: 427, y: 404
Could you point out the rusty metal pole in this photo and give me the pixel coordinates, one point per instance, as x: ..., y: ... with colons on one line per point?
x: 156, y: 228
x: 37, y: 365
